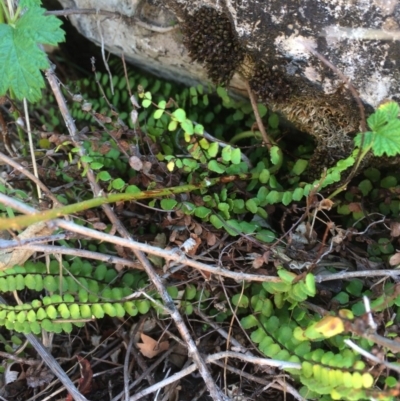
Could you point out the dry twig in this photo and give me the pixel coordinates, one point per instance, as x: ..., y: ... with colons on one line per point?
x: 260, y: 124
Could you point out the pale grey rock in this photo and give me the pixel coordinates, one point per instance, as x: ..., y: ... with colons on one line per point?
x: 359, y: 37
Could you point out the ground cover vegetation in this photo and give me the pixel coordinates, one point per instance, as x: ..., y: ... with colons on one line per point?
x: 272, y: 271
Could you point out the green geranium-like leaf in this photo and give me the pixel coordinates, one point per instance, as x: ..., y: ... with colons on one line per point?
x: 20, y: 64
x: 29, y: 3
x: 387, y: 139
x: 274, y: 197
x: 391, y: 109
x: 20, y: 57
x: 40, y: 28
x: 232, y: 227
x: 216, y: 222
x: 388, y: 182
x: 367, y: 141
x: 132, y: 189
x: 377, y: 120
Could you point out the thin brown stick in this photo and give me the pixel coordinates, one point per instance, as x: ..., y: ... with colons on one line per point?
x: 260, y: 124
x: 167, y: 254
x: 234, y: 317
x: 32, y: 177
x: 8, y: 245
x: 173, y: 255
x: 14, y: 358
x: 362, y: 273
x: 128, y: 356
x: 82, y: 253
x: 128, y: 85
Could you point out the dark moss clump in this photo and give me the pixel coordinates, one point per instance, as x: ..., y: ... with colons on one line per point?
x: 270, y: 84
x: 210, y: 39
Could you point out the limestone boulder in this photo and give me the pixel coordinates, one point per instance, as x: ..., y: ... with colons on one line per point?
x: 271, y: 44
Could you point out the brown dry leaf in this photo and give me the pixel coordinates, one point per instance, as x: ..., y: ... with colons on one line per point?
x: 395, y: 229
x: 179, y: 356
x: 124, y: 145
x: 173, y: 235
x: 197, y: 241
x: 258, y: 262
x: 102, y: 118
x: 355, y: 207
x: 134, y: 116
x: 104, y: 148
x: 395, y: 259
x: 211, y: 239
x: 325, y: 204
x: 147, y: 167
x: 99, y: 226
x: 135, y: 163
x: 85, y: 381
x: 160, y: 240
x: 206, y: 275
x: 197, y: 228
x: 187, y: 219
x: 20, y: 256
x: 150, y: 347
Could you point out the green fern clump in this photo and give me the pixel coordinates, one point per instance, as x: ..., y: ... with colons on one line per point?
x: 280, y: 336
x: 83, y: 293
x: 284, y: 330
